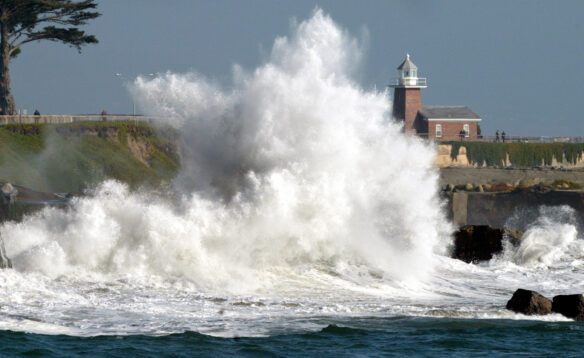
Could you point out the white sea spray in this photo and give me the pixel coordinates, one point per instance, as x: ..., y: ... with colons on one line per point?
x: 291, y: 167
x: 298, y: 198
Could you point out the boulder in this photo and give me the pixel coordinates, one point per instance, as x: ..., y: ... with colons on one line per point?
x: 8, y: 194
x: 529, y: 303
x: 4, y: 260
x: 514, y: 236
x: 529, y: 182
x: 473, y: 243
x: 468, y: 187
x: 571, y: 306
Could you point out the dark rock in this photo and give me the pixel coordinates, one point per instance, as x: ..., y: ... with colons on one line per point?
x: 514, y: 236
x: 571, y: 306
x: 8, y: 194
x: 4, y: 261
x: 473, y: 243
x: 529, y: 303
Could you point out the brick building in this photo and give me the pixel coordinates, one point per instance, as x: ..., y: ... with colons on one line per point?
x: 432, y: 122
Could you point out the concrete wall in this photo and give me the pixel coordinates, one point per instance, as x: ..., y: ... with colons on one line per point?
x: 519, y: 208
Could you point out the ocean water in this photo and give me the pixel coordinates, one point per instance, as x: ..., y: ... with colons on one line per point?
x: 365, y: 337
x: 303, y: 223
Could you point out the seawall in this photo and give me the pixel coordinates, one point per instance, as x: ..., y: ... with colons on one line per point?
x: 516, y: 208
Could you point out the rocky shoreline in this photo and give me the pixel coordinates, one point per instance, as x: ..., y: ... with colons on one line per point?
x: 532, y: 303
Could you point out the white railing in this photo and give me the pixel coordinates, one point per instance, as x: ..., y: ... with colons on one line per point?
x: 532, y: 139
x: 508, y: 139
x: 409, y: 81
x: 58, y: 119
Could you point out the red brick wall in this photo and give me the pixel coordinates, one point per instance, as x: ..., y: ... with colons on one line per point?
x: 406, y: 104
x: 451, y: 130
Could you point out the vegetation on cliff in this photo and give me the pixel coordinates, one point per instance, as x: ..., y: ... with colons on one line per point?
x: 73, y: 156
x: 520, y: 154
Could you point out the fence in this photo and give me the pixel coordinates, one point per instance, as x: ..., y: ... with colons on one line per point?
x: 514, y: 139
x: 58, y: 119
x: 530, y: 139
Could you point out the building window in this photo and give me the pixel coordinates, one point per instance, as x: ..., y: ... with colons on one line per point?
x: 466, y: 129
x: 439, y: 131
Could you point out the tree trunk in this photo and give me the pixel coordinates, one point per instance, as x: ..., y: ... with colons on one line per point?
x: 7, y: 105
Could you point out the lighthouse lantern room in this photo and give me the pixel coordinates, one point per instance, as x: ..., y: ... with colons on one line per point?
x: 407, y: 98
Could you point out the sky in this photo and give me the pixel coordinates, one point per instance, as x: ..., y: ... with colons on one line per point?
x: 518, y: 64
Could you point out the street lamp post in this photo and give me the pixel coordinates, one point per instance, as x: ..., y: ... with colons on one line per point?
x: 122, y: 77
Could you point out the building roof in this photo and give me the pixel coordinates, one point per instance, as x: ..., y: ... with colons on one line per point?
x: 407, y: 64
x: 451, y: 113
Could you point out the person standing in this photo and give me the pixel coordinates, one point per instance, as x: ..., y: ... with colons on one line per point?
x: 503, y: 136
x: 497, y: 136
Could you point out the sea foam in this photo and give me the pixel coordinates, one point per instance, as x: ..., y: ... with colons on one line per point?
x: 293, y: 166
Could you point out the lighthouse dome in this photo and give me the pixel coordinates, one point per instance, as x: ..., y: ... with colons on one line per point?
x: 407, y: 64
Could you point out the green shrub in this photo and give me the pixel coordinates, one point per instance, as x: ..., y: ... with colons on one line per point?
x: 565, y: 184
x: 520, y: 154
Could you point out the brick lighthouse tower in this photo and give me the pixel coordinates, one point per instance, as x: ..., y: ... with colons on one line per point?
x: 407, y: 97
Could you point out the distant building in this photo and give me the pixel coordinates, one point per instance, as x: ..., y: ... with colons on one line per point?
x: 432, y: 122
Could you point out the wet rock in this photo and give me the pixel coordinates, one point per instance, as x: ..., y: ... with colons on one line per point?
x: 473, y: 243
x: 8, y: 194
x: 450, y: 187
x: 529, y: 303
x: 468, y: 187
x: 4, y: 260
x: 514, y: 236
x: 529, y: 182
x: 571, y: 306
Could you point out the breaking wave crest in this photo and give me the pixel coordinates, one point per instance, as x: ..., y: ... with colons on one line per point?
x: 292, y: 168
x: 548, y: 240
x: 298, y: 198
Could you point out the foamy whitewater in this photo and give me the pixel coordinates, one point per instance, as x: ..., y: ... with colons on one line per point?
x: 298, y: 199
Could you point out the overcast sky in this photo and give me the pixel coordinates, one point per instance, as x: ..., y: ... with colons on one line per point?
x: 518, y: 64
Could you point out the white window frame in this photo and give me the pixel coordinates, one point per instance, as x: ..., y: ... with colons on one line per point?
x: 466, y: 129
x: 438, y: 130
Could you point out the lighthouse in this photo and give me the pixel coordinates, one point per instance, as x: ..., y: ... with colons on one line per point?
x: 440, y: 123
x: 407, y: 96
